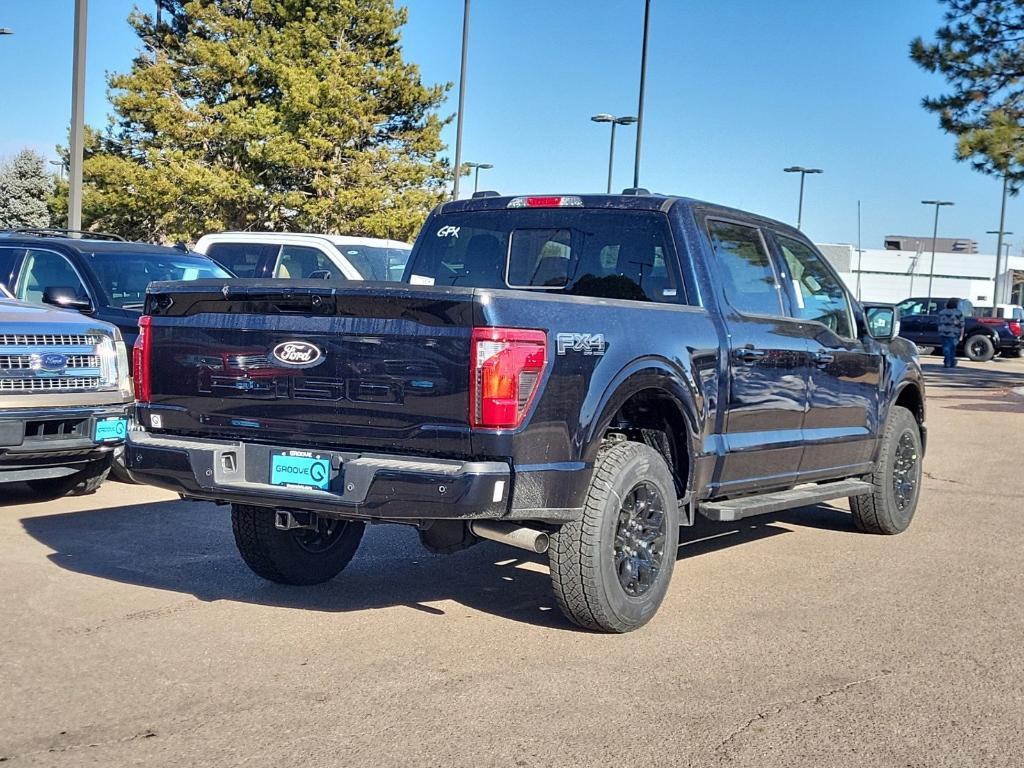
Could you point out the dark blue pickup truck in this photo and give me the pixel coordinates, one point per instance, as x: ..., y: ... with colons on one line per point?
x: 573, y: 374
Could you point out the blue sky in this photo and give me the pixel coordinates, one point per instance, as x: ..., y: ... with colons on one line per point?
x: 737, y: 90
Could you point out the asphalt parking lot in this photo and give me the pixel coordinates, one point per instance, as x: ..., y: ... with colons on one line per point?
x: 132, y: 634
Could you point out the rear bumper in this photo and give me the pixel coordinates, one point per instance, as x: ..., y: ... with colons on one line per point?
x: 361, y: 485
x: 1011, y: 343
x: 65, y: 445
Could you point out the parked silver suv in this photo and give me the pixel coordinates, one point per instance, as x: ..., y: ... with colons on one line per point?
x: 64, y: 391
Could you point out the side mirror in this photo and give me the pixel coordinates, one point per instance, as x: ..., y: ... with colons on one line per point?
x: 320, y: 274
x: 66, y: 297
x: 883, y: 323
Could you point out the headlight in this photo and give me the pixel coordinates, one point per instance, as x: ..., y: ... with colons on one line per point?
x: 114, y: 365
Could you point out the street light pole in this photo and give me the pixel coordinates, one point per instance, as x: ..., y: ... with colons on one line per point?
x: 476, y: 175
x: 640, y: 105
x: 77, y: 151
x: 1002, y: 251
x: 803, y: 172
x: 604, y: 117
x: 935, y: 235
x: 996, y: 293
x: 462, y: 101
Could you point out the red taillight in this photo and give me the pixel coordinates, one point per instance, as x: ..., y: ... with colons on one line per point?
x: 1015, y: 328
x: 140, y: 360
x: 505, y: 369
x: 561, y: 201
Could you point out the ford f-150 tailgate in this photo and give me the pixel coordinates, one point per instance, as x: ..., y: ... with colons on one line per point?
x: 368, y: 367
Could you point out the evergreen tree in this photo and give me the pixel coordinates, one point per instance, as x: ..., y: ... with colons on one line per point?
x: 268, y: 114
x: 979, y: 50
x: 25, y: 187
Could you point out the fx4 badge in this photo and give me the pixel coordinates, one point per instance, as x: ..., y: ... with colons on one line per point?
x: 586, y: 343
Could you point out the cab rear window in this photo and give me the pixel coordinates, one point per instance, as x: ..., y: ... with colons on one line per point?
x: 600, y: 253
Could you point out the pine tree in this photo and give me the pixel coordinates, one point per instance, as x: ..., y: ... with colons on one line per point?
x: 295, y: 115
x: 25, y: 187
x: 979, y: 50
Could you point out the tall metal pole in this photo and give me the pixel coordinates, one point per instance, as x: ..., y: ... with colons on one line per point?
x: 800, y: 205
x: 931, y: 269
x: 611, y: 157
x: 996, y: 293
x: 77, y: 149
x: 640, y: 107
x: 462, y: 101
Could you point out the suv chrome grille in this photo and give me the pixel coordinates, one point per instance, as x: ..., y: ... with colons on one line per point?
x: 57, y: 383
x: 48, y: 339
x: 24, y: 362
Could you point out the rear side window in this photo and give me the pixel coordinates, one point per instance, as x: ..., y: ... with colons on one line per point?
x: 745, y: 268
x: 918, y: 307
x: 601, y: 253
x: 297, y: 262
x: 8, y: 256
x: 242, y: 259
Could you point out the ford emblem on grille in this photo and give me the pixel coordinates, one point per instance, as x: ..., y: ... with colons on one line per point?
x: 297, y: 354
x: 51, y: 362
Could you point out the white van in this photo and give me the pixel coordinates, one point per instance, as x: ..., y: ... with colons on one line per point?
x: 299, y: 255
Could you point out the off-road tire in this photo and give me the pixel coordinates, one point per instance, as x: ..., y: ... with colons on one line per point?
x: 879, y: 511
x: 279, y: 556
x: 118, y: 470
x: 582, y: 553
x: 979, y: 348
x: 82, y: 483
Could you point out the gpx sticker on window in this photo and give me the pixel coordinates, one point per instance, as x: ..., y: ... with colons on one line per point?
x: 449, y: 231
x: 585, y: 343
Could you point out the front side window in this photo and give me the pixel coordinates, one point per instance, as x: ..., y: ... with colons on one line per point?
x: 745, y: 268
x: 583, y: 252
x: 373, y: 263
x: 296, y: 262
x: 918, y: 307
x: 818, y: 293
x: 47, y: 269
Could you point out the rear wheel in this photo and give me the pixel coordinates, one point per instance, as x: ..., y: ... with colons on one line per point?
x: 299, y: 556
x: 896, y: 481
x: 611, y: 569
x: 82, y: 482
x: 979, y: 348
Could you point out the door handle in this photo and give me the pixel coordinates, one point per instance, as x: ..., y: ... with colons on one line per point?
x: 824, y: 358
x: 748, y: 354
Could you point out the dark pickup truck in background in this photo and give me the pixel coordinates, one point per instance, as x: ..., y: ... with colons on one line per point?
x: 984, y: 337
x: 577, y: 375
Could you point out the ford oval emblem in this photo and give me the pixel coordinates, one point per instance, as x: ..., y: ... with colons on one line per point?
x: 297, y: 354
x: 52, y: 362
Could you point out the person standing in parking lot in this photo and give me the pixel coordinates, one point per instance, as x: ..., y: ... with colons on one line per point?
x: 951, y: 330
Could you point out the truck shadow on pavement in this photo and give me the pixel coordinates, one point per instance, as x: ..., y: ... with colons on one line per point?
x: 997, y: 374
x: 187, y: 547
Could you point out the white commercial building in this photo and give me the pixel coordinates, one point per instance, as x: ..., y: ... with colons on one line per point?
x: 891, y: 276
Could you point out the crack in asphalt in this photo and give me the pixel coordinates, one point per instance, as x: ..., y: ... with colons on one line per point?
x: 936, y: 478
x: 148, y: 734
x: 814, y: 700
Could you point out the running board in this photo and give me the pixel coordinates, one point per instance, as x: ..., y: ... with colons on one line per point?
x: 801, y: 496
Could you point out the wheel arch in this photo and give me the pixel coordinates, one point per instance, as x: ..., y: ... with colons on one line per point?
x: 650, y: 396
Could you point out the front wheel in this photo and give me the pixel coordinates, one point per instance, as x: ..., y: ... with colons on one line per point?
x: 979, y: 348
x: 299, y: 556
x: 896, y: 480
x: 610, y: 570
x: 83, y: 482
